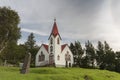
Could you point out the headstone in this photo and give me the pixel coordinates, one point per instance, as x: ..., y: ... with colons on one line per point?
x: 20, y: 65
x: 26, y: 64
x: 5, y: 63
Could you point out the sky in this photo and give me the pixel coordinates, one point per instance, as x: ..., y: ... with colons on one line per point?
x: 82, y: 20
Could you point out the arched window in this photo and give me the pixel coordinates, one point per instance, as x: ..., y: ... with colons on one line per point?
x: 51, y: 41
x: 67, y: 56
x: 39, y: 58
x: 51, y: 48
x: 58, y: 57
x: 58, y: 41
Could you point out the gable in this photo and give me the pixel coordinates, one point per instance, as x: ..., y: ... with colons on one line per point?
x: 63, y: 46
x: 46, y: 47
x: 43, y: 47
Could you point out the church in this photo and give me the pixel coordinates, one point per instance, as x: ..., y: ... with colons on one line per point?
x: 55, y: 53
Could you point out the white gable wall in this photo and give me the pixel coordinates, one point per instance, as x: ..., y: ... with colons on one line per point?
x: 42, y: 63
x: 64, y: 52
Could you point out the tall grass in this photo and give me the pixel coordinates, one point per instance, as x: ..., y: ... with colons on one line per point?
x: 48, y: 73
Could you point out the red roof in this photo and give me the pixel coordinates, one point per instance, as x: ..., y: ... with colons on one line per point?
x: 46, y: 47
x: 55, y: 30
x: 63, y: 46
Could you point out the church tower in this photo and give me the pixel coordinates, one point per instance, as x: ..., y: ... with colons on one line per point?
x: 54, y: 44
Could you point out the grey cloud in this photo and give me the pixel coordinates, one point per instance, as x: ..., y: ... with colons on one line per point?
x: 77, y: 19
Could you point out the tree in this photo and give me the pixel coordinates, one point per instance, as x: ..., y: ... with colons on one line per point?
x: 9, y: 30
x: 13, y: 53
x: 108, y: 59
x: 100, y: 53
x: 117, y: 62
x: 90, y: 54
x: 31, y: 47
x: 77, y: 51
x: 30, y: 42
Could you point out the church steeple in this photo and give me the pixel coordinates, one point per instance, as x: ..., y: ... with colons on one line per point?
x: 55, y: 31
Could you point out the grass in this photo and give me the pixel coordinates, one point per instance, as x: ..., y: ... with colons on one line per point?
x: 46, y: 73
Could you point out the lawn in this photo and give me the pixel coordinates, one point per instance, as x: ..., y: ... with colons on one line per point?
x: 46, y: 73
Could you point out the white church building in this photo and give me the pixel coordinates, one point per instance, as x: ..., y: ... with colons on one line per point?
x: 55, y: 53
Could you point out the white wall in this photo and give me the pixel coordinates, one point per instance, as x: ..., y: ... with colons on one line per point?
x: 37, y: 63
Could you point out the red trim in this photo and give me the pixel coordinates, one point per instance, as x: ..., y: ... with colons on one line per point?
x: 45, y: 46
x: 55, y: 31
x: 63, y: 46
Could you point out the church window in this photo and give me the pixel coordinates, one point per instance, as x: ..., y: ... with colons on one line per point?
x: 51, y: 48
x: 58, y: 41
x: 51, y: 41
x: 67, y: 56
x: 58, y: 57
x: 41, y: 57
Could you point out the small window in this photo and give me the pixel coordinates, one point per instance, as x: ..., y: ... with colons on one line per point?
x: 67, y: 52
x: 51, y: 48
x: 51, y: 41
x: 58, y: 41
x: 58, y: 57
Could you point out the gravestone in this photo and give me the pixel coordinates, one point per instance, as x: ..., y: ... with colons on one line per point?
x: 26, y: 64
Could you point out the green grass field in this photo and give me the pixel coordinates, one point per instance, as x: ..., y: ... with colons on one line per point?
x: 46, y: 73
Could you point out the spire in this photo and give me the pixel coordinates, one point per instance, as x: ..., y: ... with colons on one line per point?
x: 55, y: 29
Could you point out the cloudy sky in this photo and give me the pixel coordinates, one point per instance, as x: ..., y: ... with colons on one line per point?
x: 77, y: 19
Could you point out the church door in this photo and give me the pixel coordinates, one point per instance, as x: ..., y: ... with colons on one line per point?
x: 51, y: 59
x: 66, y: 64
x: 69, y: 64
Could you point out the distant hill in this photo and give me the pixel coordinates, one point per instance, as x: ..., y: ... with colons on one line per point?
x: 46, y: 73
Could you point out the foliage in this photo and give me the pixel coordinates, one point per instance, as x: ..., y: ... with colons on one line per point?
x: 31, y: 47
x: 13, y: 53
x: 9, y: 30
x: 100, y: 53
x: 77, y: 51
x: 90, y: 54
x: 102, y: 58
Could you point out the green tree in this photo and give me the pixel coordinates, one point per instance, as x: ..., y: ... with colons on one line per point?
x: 30, y: 42
x: 31, y: 47
x: 77, y: 51
x: 90, y: 54
x: 100, y: 53
x: 117, y: 62
x: 9, y: 30
x: 13, y: 53
x: 72, y: 48
x: 109, y: 58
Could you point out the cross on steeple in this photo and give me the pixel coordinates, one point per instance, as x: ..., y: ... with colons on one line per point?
x: 55, y: 19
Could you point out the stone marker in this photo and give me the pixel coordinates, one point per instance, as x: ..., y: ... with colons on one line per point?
x: 26, y: 64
